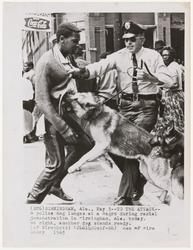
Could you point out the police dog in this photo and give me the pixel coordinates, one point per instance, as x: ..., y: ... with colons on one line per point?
x: 113, y: 133
x: 163, y: 182
x: 166, y: 160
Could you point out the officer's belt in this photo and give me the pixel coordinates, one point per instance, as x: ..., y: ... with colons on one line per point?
x: 130, y: 97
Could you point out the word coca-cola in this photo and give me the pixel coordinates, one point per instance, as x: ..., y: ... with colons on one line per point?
x: 37, y: 23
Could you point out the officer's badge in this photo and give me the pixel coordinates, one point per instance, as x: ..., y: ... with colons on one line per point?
x: 127, y: 25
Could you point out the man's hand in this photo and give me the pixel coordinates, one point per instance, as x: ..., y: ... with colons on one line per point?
x: 73, y: 71
x: 142, y: 75
x: 101, y: 99
x: 79, y: 73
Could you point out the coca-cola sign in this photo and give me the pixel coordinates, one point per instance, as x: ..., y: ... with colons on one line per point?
x: 37, y: 23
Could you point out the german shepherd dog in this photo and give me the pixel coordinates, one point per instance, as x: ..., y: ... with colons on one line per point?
x: 113, y: 133
x: 171, y: 147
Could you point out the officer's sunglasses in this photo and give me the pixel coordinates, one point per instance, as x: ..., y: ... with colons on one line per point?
x: 132, y: 39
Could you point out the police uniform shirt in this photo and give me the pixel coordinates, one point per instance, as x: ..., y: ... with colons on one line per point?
x: 122, y: 62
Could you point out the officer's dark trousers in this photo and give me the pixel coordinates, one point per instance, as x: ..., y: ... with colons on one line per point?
x: 56, y: 164
x: 144, y: 114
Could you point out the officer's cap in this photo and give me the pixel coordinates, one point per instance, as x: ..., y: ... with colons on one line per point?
x: 132, y: 29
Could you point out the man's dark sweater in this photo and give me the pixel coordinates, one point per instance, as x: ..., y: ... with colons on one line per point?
x: 51, y: 78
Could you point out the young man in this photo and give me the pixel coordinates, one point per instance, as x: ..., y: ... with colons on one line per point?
x: 51, y: 81
x: 140, y: 71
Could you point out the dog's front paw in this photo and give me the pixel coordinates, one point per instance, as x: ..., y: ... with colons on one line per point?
x: 73, y: 169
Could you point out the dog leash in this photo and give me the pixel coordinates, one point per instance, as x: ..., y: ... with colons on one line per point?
x: 121, y: 91
x: 118, y: 93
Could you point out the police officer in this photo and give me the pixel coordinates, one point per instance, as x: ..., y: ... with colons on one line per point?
x: 140, y: 72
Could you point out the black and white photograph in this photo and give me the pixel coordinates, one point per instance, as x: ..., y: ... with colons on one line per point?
x: 98, y: 128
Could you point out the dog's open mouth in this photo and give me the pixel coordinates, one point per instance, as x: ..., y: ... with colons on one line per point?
x: 72, y: 103
x: 79, y: 103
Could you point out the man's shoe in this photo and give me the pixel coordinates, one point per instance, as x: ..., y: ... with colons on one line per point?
x: 58, y: 192
x: 34, y: 138
x: 30, y: 139
x: 121, y: 201
x: 137, y: 195
x: 139, y: 189
x: 32, y: 200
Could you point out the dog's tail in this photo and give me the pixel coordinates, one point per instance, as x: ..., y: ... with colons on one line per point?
x: 177, y: 182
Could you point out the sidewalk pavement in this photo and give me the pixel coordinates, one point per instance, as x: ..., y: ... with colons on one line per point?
x: 95, y: 184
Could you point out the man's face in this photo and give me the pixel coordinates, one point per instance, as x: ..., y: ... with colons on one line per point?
x: 166, y: 56
x: 135, y: 43
x: 69, y: 44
